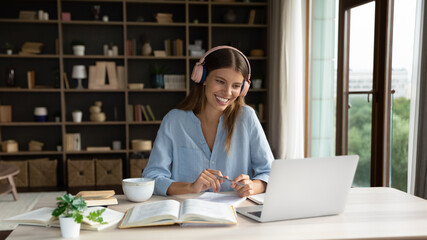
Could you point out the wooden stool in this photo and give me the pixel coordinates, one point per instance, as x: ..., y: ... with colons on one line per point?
x: 8, y: 171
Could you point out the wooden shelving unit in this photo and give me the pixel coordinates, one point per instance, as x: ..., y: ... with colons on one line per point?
x: 193, y: 20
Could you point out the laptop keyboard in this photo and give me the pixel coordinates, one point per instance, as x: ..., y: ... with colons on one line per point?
x: 257, y: 213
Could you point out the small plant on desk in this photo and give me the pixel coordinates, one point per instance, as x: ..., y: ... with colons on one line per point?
x: 70, y: 210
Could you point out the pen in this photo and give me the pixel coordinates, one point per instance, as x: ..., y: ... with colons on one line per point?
x: 226, y: 179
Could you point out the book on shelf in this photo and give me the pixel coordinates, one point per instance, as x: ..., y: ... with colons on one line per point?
x: 105, y: 75
x: 150, y: 112
x: 169, y: 212
x: 43, y: 217
x: 252, y: 16
x: 72, y: 142
x: 31, y: 79
x: 138, y: 113
x: 29, y: 48
x: 144, y: 112
x: 98, y: 197
x: 98, y: 149
x: 5, y: 113
x: 130, y: 113
x: 66, y: 83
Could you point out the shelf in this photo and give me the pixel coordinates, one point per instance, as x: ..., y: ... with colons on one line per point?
x: 35, y: 124
x: 242, y: 25
x: 26, y: 90
x: 122, y: 30
x: 75, y: 90
x: 95, y: 123
x: 15, y: 20
x: 82, y: 152
x: 25, y: 153
x: 92, y: 22
x: 92, y: 57
x: 146, y: 123
x: 159, y: 90
x: 29, y: 56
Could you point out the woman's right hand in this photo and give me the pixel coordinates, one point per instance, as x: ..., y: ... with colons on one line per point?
x: 206, y: 180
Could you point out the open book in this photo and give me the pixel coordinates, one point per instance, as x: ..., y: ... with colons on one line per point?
x: 43, y: 217
x: 169, y: 212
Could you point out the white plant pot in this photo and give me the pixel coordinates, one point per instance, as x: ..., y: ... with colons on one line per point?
x: 9, y: 51
x: 77, y: 116
x: 69, y: 228
x: 79, y: 50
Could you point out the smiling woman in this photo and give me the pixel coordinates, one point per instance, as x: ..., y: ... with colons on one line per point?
x: 221, y: 135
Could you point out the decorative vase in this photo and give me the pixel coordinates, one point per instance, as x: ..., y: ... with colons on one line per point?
x: 157, y: 81
x: 77, y: 116
x: 230, y: 16
x: 146, y: 49
x: 10, y: 77
x: 79, y: 50
x: 69, y: 228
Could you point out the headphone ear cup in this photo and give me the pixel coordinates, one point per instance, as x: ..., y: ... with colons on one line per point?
x: 245, y: 88
x: 197, y: 73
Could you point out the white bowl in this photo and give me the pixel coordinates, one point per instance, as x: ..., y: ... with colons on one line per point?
x: 138, y: 189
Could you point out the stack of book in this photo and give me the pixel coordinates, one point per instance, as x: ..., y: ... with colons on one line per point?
x: 72, y: 142
x: 27, y: 15
x: 5, y: 113
x: 141, y: 113
x: 31, y: 48
x: 174, y: 81
x: 98, y: 198
x: 174, y: 47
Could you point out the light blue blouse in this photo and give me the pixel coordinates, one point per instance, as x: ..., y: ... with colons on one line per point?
x: 180, y: 152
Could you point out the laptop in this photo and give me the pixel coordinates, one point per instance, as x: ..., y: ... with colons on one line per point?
x: 302, y: 188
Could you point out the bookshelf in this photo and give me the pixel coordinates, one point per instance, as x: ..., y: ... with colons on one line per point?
x: 127, y: 20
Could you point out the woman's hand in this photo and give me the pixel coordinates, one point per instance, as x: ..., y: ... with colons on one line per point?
x: 250, y: 187
x: 206, y: 180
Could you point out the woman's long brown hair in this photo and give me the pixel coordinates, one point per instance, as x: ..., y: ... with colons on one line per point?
x: 196, y: 100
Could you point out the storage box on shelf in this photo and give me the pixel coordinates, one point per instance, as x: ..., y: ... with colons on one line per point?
x: 126, y: 34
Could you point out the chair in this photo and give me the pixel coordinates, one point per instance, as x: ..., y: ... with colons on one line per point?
x: 7, y: 172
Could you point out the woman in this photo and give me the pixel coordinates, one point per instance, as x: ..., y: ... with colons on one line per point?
x: 212, y: 133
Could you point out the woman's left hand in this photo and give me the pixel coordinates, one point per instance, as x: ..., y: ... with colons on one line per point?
x: 247, y: 189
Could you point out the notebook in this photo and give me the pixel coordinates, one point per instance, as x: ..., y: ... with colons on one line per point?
x: 302, y: 188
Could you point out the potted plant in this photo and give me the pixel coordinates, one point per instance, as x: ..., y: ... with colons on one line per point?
x: 70, y: 210
x: 8, y: 47
x: 77, y: 115
x: 157, y: 76
x: 78, y: 47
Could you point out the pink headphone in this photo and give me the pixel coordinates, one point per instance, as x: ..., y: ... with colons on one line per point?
x: 199, y: 71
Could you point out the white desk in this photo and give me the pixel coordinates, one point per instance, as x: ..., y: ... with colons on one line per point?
x: 370, y: 213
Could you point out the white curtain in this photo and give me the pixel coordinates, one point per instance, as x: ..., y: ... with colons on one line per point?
x: 286, y: 69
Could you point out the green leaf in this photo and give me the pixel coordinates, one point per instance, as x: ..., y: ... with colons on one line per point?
x: 95, y: 216
x: 78, y: 217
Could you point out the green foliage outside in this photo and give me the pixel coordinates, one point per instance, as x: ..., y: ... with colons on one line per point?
x: 359, y: 140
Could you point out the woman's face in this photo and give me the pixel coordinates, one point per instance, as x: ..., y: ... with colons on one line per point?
x: 222, y: 87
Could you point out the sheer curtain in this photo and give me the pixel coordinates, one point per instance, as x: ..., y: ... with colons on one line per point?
x: 418, y: 136
x: 286, y: 69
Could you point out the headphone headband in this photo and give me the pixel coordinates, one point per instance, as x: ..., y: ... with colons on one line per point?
x: 199, y: 71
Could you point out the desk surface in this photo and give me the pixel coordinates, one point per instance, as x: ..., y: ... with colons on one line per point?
x: 370, y: 213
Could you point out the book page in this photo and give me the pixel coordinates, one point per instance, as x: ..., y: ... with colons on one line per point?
x: 152, y: 213
x: 230, y: 198
x: 257, y: 198
x: 110, y: 216
x: 195, y: 210
x: 41, y: 216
